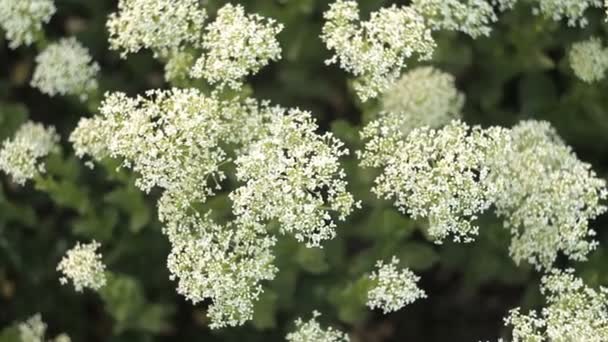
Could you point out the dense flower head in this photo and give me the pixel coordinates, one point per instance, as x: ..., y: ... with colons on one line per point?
x: 571, y: 10
x: 236, y: 45
x: 83, y: 266
x: 223, y: 263
x: 589, y: 59
x: 65, y: 68
x: 574, y: 312
x: 472, y: 17
x: 20, y: 157
x: 32, y: 330
x: 312, y: 331
x: 438, y: 174
x: 546, y: 195
x: 376, y: 50
x: 393, y: 288
x: 293, y: 176
x: 424, y: 96
x: 160, y: 25
x: 22, y: 20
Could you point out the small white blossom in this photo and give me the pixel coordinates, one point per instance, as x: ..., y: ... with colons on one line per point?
x: 439, y: 174
x: 160, y: 25
x: 375, y: 51
x: 589, y: 60
x: 574, y: 312
x: 83, y: 267
x: 32, y: 330
x: 472, y: 17
x: 20, y: 156
x: 423, y: 96
x: 237, y: 45
x: 572, y: 10
x: 312, y: 331
x: 546, y: 196
x: 22, y: 20
x: 393, y: 288
x: 223, y: 263
x: 65, y: 68
x: 293, y: 175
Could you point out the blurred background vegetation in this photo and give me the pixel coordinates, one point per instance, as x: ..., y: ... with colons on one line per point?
x: 519, y: 72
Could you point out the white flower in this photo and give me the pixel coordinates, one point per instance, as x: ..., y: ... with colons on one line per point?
x: 375, y: 51
x: 237, y: 45
x: 22, y: 20
x: 65, y: 68
x: 393, y: 288
x: 223, y: 263
x: 546, y: 196
x: 32, y: 330
x: 293, y: 176
x: 589, y: 60
x: 574, y: 312
x: 20, y: 156
x: 311, y: 331
x: 439, y: 174
x: 83, y: 266
x: 572, y: 10
x: 472, y: 17
x: 160, y: 25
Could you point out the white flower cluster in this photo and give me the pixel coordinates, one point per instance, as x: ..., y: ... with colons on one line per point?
x: 34, y: 330
x: 574, y: 312
x: 160, y: 25
x: 393, y: 288
x: 376, y: 50
x: 572, y: 10
x: 439, y: 174
x: 424, y: 96
x: 83, y: 266
x: 236, y: 45
x: 178, y: 139
x: 20, y: 156
x: 312, y: 331
x: 65, y: 68
x: 472, y: 17
x: 293, y: 176
x: 223, y: 263
x: 22, y: 20
x: 546, y: 196
x: 589, y: 60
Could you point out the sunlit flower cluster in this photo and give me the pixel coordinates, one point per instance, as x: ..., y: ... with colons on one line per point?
x: 34, y: 330
x: 376, y: 50
x: 393, y: 288
x: 472, y: 17
x: 293, y: 176
x: 546, y: 196
x: 83, y: 266
x: 571, y: 10
x: 65, y: 68
x: 439, y: 174
x: 223, y: 263
x: 312, y: 331
x: 589, y: 60
x: 22, y: 20
x: 237, y: 45
x: 160, y: 25
x: 574, y: 312
x: 20, y: 157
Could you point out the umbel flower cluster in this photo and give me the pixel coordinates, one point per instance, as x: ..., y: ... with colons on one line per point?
x: 177, y: 140
x: 589, y: 59
x: 472, y: 17
x: 312, y: 331
x: 34, y: 330
x: 22, y: 20
x: 65, y: 68
x: 21, y: 157
x: 82, y: 266
x: 574, y: 312
x: 393, y: 288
